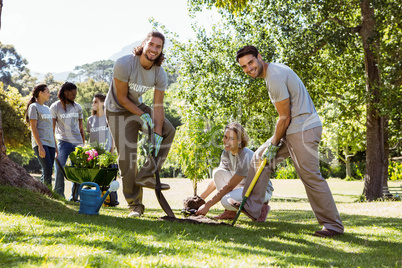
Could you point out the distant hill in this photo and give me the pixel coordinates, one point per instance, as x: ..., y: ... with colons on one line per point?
x: 125, y: 51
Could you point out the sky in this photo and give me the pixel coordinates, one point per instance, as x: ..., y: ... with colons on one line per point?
x: 57, y: 35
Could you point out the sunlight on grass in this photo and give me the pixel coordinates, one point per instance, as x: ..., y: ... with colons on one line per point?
x: 36, y: 231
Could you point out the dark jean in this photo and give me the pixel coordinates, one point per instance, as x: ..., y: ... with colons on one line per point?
x: 65, y: 148
x: 46, y: 163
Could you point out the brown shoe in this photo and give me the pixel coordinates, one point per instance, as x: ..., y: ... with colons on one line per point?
x: 226, y: 215
x: 235, y: 204
x: 135, y: 212
x: 326, y: 233
x: 264, y: 213
x: 151, y: 183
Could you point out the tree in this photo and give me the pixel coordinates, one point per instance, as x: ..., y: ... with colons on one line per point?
x: 17, y: 136
x: 303, y: 31
x: 196, y: 147
x: 12, y: 174
x: 10, y: 62
x: 101, y: 70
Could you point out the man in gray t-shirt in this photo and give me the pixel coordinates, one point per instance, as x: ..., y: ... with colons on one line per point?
x: 133, y: 75
x: 297, y: 134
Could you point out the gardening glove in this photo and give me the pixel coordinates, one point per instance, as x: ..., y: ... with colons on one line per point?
x: 158, y: 142
x: 146, y: 118
x: 270, y: 152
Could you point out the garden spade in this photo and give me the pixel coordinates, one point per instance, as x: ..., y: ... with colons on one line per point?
x: 250, y: 188
x: 158, y: 189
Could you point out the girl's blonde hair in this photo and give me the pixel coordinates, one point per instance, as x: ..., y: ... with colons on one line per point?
x: 240, y: 132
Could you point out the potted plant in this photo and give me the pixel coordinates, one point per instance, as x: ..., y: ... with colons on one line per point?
x: 91, y: 163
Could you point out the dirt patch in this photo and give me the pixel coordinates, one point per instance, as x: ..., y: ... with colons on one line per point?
x: 193, y: 202
x: 195, y: 219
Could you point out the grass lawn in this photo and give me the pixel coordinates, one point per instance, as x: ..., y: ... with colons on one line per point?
x: 36, y: 231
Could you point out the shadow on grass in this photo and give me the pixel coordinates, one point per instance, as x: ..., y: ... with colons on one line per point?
x: 285, y: 237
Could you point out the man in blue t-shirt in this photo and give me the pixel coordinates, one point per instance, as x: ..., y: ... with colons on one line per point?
x: 297, y: 134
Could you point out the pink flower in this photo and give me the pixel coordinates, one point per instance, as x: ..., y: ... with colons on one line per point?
x: 90, y: 155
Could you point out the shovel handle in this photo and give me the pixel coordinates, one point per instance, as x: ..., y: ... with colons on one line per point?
x: 250, y: 188
x: 255, y: 179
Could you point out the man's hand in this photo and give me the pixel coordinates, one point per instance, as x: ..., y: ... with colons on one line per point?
x: 270, y: 152
x: 146, y: 118
x: 158, y: 142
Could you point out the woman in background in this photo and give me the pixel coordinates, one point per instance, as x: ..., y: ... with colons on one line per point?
x: 97, y: 126
x: 39, y: 117
x: 99, y: 132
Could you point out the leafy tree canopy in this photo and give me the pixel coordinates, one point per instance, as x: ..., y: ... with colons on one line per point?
x: 17, y: 135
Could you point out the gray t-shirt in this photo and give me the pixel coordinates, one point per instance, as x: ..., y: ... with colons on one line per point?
x: 129, y: 69
x: 98, y: 130
x: 282, y: 83
x: 44, y: 124
x: 237, y: 164
x: 67, y: 124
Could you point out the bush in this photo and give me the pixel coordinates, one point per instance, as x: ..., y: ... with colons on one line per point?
x: 394, y: 171
x: 31, y: 165
x: 325, y: 169
x: 285, y: 171
x: 335, y: 170
x: 358, y: 170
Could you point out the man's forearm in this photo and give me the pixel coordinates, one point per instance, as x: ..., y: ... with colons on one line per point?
x: 280, y: 130
x: 159, y: 117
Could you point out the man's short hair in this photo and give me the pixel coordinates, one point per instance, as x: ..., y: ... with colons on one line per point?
x: 246, y: 50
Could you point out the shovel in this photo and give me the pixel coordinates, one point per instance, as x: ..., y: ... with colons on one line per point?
x: 250, y: 188
x: 158, y: 189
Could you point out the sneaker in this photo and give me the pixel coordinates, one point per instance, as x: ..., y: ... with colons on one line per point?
x: 151, y: 183
x: 135, y: 212
x: 226, y: 215
x: 236, y: 204
x: 264, y: 213
x: 326, y: 233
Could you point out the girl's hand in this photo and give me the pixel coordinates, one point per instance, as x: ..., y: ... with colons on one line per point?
x: 203, y: 210
x: 42, y: 152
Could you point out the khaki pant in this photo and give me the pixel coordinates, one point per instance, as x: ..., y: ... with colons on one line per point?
x: 125, y: 127
x: 302, y: 147
x: 221, y: 179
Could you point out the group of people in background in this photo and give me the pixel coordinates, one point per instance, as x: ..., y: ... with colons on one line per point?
x: 57, y: 130
x: 297, y: 135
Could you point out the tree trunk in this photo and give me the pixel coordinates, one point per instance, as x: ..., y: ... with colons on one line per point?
x: 347, y: 162
x: 195, y: 187
x: 1, y: 8
x: 386, y: 155
x: 2, y: 147
x: 373, y: 179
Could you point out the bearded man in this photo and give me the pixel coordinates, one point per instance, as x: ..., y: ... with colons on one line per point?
x: 133, y: 75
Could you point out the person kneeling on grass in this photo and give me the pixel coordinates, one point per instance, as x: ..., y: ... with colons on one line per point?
x: 229, y: 177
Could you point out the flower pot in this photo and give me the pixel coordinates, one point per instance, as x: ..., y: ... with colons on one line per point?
x: 103, y: 176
